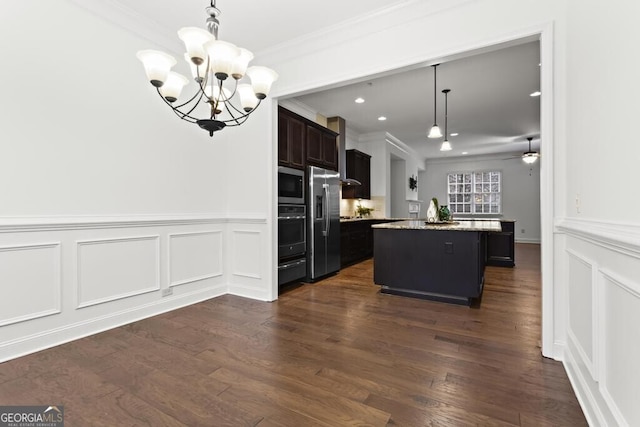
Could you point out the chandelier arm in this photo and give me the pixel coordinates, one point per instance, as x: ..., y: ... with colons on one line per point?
x: 243, y: 116
x: 177, y: 111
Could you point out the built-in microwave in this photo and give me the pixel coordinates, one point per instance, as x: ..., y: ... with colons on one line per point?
x: 290, y: 186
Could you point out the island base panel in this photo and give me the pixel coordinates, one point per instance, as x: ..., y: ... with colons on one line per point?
x: 452, y: 299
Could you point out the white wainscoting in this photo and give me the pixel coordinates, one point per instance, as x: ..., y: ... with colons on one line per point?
x: 195, y: 256
x: 30, y: 277
x: 603, y: 327
x: 111, y: 269
x: 73, y: 277
x: 249, y: 261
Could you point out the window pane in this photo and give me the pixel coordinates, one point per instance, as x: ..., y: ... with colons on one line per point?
x: 467, y: 208
x: 452, y: 189
x: 467, y: 178
x: 467, y: 198
x: 452, y: 179
x: 495, y: 188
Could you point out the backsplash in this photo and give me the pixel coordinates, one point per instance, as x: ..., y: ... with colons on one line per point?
x: 348, y: 206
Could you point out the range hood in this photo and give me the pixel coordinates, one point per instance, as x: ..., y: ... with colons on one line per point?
x: 338, y: 124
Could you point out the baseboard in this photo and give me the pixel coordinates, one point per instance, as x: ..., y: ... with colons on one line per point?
x: 587, y: 401
x: 525, y: 240
x: 54, y: 337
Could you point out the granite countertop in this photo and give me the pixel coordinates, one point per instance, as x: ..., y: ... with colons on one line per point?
x: 485, y: 219
x: 354, y: 219
x: 462, y: 225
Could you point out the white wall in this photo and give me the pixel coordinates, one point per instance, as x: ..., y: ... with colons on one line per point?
x: 108, y: 199
x: 520, y: 188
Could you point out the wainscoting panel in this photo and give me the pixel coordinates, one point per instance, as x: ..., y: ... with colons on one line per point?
x: 31, y: 282
x: 602, y: 261
x: 250, y: 263
x: 621, y: 336
x: 247, y: 252
x: 581, y: 307
x: 112, y: 269
x: 195, y: 256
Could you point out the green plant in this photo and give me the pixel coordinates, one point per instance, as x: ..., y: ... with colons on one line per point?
x: 363, y: 210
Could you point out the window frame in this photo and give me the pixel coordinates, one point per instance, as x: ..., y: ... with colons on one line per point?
x: 473, y: 203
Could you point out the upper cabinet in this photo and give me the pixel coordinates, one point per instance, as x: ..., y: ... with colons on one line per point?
x: 322, y: 149
x: 302, y: 142
x: 358, y: 167
x: 292, y: 134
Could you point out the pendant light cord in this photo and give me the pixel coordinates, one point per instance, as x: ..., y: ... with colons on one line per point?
x: 435, y: 69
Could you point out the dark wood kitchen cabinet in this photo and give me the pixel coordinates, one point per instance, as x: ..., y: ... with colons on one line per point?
x: 501, y: 246
x: 358, y: 167
x: 322, y: 149
x: 291, y: 140
x: 302, y: 142
x: 356, y: 240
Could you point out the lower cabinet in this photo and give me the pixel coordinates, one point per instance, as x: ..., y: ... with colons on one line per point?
x: 356, y: 240
x: 501, y: 246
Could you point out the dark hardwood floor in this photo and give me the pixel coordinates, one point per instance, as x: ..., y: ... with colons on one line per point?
x: 333, y: 353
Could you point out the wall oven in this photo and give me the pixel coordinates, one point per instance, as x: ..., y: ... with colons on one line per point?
x: 290, y: 186
x: 292, y: 231
x: 292, y: 243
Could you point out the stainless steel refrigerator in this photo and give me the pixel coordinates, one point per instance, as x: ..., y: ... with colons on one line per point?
x: 323, y: 213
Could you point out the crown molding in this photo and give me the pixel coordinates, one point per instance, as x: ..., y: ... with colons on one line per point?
x: 128, y: 19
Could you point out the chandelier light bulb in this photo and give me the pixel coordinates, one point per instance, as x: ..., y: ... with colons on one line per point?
x: 446, y: 146
x: 194, y: 40
x: 261, y: 80
x: 240, y: 63
x: 222, y: 56
x: 173, y: 86
x: 157, y: 65
x: 248, y: 98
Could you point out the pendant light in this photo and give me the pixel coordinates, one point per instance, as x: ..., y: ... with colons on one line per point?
x: 446, y: 145
x: 530, y: 157
x: 435, y: 129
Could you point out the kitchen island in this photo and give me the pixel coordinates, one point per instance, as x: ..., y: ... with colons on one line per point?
x: 443, y: 262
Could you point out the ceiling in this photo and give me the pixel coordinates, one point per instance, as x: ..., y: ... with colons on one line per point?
x: 489, y: 105
x: 489, y: 102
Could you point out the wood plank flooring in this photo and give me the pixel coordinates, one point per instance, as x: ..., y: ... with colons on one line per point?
x: 333, y: 353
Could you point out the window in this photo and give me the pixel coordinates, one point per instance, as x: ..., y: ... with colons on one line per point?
x: 475, y: 192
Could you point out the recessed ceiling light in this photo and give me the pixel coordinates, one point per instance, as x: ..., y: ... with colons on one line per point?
x: 382, y: 118
x: 465, y: 152
x: 454, y: 134
x: 536, y: 93
x: 359, y: 100
x: 539, y: 64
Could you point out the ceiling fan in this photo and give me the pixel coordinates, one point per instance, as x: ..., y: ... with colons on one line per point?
x: 529, y: 156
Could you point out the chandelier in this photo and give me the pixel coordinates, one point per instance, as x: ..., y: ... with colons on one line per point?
x: 218, y: 68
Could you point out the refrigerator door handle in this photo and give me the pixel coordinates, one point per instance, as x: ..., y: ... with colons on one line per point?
x: 325, y: 187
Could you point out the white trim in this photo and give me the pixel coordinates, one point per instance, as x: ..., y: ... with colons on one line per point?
x: 26, y: 224
x: 527, y: 240
x: 620, y: 237
x: 79, y: 243
x: 197, y: 278
x: 57, y: 280
x: 547, y: 204
x: 583, y: 393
